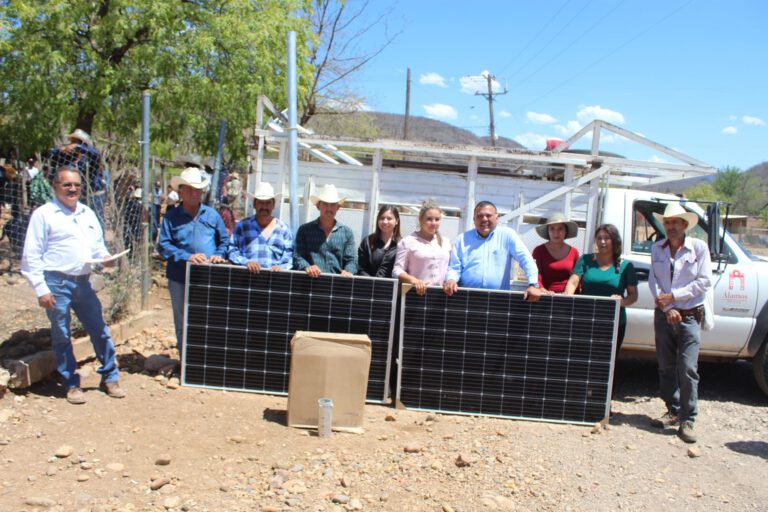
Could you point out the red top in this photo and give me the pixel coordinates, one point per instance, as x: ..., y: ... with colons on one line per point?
x: 554, y: 274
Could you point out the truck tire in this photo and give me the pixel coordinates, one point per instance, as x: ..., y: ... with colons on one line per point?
x: 760, y: 367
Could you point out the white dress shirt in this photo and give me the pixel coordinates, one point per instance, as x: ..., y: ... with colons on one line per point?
x: 687, y: 276
x: 59, y: 239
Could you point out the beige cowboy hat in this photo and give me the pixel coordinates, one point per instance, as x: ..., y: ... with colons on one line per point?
x: 136, y: 194
x: 264, y: 192
x: 192, y: 177
x: 327, y: 194
x: 572, y: 229
x: 676, y: 210
x: 82, y: 136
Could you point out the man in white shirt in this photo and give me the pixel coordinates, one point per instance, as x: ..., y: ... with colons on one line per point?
x: 63, y: 235
x: 680, y: 276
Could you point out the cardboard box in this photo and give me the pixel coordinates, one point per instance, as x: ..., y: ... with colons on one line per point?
x: 328, y: 365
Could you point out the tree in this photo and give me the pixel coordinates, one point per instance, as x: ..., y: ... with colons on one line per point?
x: 84, y: 63
x: 335, y: 53
x: 727, y: 182
x: 701, y: 192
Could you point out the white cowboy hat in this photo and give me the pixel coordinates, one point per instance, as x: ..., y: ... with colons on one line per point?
x: 82, y: 136
x: 327, y: 194
x: 136, y: 194
x: 192, y: 177
x: 676, y: 210
x: 572, y: 229
x: 264, y: 192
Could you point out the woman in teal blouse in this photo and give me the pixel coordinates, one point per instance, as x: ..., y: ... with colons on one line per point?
x: 605, y: 274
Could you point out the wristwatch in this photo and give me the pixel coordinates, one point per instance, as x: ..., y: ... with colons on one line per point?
x: 535, y: 285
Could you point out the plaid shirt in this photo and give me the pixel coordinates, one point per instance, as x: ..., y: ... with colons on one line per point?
x: 334, y: 254
x: 247, y: 244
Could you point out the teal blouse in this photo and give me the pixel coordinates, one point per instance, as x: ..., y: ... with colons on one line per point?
x: 604, y: 283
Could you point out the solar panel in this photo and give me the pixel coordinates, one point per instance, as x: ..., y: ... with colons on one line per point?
x: 491, y: 353
x: 238, y: 325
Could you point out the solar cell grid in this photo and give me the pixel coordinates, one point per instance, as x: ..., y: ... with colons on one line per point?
x: 238, y: 325
x: 490, y: 352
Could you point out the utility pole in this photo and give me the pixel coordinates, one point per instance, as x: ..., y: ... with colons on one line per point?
x: 407, y: 104
x: 489, y: 97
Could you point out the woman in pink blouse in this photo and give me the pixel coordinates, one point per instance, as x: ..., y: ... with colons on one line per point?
x: 555, y: 258
x: 422, y: 257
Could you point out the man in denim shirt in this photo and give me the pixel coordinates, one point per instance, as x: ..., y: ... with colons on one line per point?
x: 262, y: 241
x: 190, y: 232
x: 326, y: 245
x: 680, y: 276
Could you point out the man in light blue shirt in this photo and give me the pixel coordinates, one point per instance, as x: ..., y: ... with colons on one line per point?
x: 191, y: 232
x: 482, y: 256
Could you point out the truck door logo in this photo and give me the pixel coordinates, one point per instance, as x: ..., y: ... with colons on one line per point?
x: 733, y: 276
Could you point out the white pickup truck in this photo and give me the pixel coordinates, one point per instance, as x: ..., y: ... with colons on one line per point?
x: 589, y: 186
x: 740, y: 282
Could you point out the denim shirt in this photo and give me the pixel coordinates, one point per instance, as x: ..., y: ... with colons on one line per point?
x: 182, y: 235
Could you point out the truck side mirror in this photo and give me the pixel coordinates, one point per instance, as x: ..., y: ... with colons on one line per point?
x: 713, y: 220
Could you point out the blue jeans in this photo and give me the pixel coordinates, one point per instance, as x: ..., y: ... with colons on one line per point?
x: 677, y: 349
x: 77, y: 294
x: 176, y: 291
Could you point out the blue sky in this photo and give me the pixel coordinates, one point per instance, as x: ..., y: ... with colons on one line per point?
x: 689, y: 74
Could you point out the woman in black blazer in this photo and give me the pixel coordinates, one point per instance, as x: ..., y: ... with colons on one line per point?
x: 376, y: 254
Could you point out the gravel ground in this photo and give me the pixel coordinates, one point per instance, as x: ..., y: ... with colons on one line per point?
x: 207, y: 450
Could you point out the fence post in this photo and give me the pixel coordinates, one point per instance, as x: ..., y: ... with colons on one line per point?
x: 213, y: 197
x: 147, y: 215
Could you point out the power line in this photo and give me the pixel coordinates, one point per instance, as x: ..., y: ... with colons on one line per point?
x: 569, y: 45
x: 538, y: 33
x: 573, y: 18
x: 610, y: 54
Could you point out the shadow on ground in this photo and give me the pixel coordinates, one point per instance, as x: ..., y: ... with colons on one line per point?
x: 719, y: 382
x: 756, y: 448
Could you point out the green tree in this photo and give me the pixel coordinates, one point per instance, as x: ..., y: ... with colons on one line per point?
x: 84, y: 63
x: 701, y: 192
x: 750, y: 195
x: 727, y: 183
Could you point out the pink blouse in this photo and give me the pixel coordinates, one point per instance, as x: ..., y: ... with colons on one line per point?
x: 425, y: 260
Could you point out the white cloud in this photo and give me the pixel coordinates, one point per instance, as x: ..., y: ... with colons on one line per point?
x: 754, y: 121
x: 733, y: 118
x: 658, y: 159
x: 592, y: 112
x: 441, y: 111
x: 539, y: 118
x: 432, y: 79
x: 568, y: 128
x: 730, y: 130
x: 534, y: 141
x: 478, y: 83
x: 505, y: 114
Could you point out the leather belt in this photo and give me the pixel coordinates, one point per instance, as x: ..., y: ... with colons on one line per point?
x: 70, y: 277
x: 697, y: 312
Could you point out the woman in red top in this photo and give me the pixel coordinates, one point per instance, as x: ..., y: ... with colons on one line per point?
x: 555, y: 258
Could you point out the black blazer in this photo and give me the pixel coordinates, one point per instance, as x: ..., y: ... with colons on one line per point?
x: 376, y: 261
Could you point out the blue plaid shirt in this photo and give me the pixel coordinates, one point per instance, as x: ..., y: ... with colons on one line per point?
x: 334, y: 254
x: 247, y: 244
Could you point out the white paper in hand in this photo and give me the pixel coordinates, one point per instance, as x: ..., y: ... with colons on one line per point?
x: 106, y: 260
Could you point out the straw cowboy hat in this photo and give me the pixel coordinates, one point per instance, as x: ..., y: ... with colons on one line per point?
x: 676, y: 210
x: 264, y: 192
x: 572, y: 229
x: 327, y: 194
x: 136, y: 194
x: 192, y: 177
x: 82, y: 136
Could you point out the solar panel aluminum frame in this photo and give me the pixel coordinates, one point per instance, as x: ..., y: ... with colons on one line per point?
x: 438, y: 290
x: 385, y: 398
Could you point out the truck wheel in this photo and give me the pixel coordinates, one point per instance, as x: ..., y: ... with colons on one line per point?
x: 760, y: 367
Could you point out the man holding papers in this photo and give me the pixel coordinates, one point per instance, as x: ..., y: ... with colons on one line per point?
x: 63, y: 236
